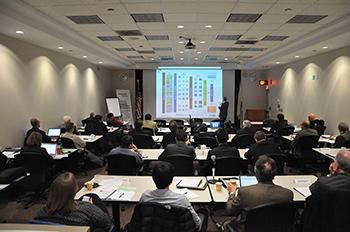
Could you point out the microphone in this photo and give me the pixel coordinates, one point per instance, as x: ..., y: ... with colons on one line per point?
x: 213, y: 159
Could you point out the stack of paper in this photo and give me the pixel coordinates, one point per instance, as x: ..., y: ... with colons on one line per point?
x: 189, y: 183
x: 122, y: 194
x: 188, y: 193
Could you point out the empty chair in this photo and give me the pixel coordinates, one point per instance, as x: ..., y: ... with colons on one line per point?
x: 183, y: 164
x: 160, y: 122
x: 272, y: 217
x: 242, y: 141
x: 227, y: 166
x: 144, y: 141
x: 121, y: 165
x: 207, y: 141
x: 150, y: 217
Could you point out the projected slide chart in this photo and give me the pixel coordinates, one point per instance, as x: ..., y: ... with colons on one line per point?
x: 184, y: 91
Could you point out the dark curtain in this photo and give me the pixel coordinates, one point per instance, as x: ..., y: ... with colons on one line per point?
x: 238, y: 76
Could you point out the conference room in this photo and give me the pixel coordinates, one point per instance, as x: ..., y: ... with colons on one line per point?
x: 169, y: 115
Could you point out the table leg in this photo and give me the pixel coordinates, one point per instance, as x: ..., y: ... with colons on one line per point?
x: 116, y: 214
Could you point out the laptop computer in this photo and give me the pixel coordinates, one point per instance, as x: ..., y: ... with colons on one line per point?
x: 50, y: 148
x: 247, y: 181
x: 215, y: 124
x: 54, y: 132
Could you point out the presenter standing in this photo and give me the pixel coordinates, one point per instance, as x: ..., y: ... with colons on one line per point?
x: 223, y: 110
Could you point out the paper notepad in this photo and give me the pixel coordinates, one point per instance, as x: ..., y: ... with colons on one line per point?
x: 122, y: 194
x: 188, y: 193
x: 189, y: 183
x: 305, y: 191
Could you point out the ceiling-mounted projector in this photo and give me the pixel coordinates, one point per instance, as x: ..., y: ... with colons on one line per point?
x: 189, y: 45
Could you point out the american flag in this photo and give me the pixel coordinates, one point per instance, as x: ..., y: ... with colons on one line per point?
x: 138, y: 103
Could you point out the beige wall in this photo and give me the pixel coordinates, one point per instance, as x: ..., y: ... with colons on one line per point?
x: 319, y: 84
x: 37, y: 82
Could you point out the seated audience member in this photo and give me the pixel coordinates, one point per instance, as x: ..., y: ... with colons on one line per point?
x: 229, y: 128
x: 100, y: 127
x: 265, y: 191
x: 80, y: 144
x: 114, y: 121
x: 203, y: 132
x: 305, y: 131
x: 62, y: 208
x: 279, y: 124
x: 149, y: 123
x: 137, y: 130
x: 247, y: 129
x: 169, y: 138
x: 127, y: 147
x: 67, y: 119
x: 90, y: 118
x: 312, y: 120
x: 343, y: 137
x: 181, y: 147
x: 34, y: 146
x: 162, y: 175
x: 223, y: 150
x: 327, y: 208
x: 261, y: 147
x: 36, y: 128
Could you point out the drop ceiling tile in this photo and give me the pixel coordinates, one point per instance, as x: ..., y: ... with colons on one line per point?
x: 237, y: 26
x: 118, y: 44
x: 288, y: 8
x: 176, y: 8
x: 170, y: 18
x: 274, y: 18
x: 72, y: 10
x: 100, y: 1
x: 251, y: 8
x: 255, y: 34
x: 160, y: 43
x: 53, y: 2
x: 152, y: 26
x: 144, y: 7
x: 215, y: 18
x: 102, y: 9
x: 325, y: 9
x: 266, y: 26
x: 214, y: 7
x: 92, y: 27
x: 117, y: 19
x: 122, y: 27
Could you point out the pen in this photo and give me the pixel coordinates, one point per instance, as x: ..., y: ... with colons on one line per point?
x: 199, y: 183
x: 185, y: 193
x: 121, y: 195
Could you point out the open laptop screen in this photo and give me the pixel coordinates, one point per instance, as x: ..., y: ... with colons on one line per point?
x: 50, y: 148
x: 215, y: 124
x: 247, y: 180
x: 54, y: 132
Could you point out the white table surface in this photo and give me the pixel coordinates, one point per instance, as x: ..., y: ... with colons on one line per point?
x: 66, y: 152
x: 329, y: 152
x: 143, y: 183
x: 323, y: 139
x: 284, y: 181
x: 153, y: 154
x: 89, y: 138
x: 36, y: 227
x: 159, y: 138
x: 256, y: 123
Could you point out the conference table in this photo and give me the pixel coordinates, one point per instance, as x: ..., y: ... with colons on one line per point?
x: 8, y: 227
x: 329, y: 152
x: 159, y: 138
x: 201, y: 154
x: 65, y: 153
x: 90, y: 138
x: 128, y: 189
x: 323, y: 138
x: 291, y: 182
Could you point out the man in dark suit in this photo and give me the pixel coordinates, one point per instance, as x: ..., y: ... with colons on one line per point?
x: 223, y: 110
x: 247, y: 129
x: 279, y: 124
x: 327, y: 208
x: 36, y: 128
x: 223, y: 150
x: 182, y: 146
x: 305, y: 131
x: 344, y: 137
x: 265, y: 191
x: 169, y: 138
x: 261, y: 147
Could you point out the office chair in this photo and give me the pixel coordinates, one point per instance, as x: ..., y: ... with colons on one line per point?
x: 228, y: 166
x: 119, y: 164
x: 151, y: 216
x: 196, y: 120
x: 10, y: 175
x: 67, y: 143
x: 207, y: 141
x: 272, y: 217
x: 242, y: 141
x: 183, y: 164
x: 280, y: 160
x: 148, y: 131
x: 160, y: 123
x: 268, y: 122
x: 179, y: 122
x: 144, y: 141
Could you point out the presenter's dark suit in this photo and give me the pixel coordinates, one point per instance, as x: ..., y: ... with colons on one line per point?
x: 178, y: 148
x: 246, y: 131
x: 252, y: 196
x: 340, y: 140
x: 327, y: 209
x: 258, y: 149
x: 45, y: 138
x: 223, y: 111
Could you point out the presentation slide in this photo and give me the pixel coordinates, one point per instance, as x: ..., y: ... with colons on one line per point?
x: 185, y: 91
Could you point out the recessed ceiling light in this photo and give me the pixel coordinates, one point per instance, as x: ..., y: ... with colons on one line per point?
x: 100, y: 62
x: 84, y: 56
x: 196, y: 58
x: 181, y: 42
x: 202, y: 42
x: 325, y: 47
x: 180, y: 26
x: 181, y: 52
x: 152, y: 58
x: 277, y: 62
x: 60, y: 48
x: 19, y: 32
x: 199, y: 52
x: 297, y: 56
x: 208, y: 26
x: 226, y: 59
x: 181, y: 58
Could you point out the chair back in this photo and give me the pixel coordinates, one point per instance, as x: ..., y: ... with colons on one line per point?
x: 243, y: 141
x: 207, y: 141
x: 286, y: 131
x: 150, y: 217
x: 280, y: 160
x: 148, y: 131
x: 268, y: 122
x: 307, y: 142
x: 272, y: 217
x: 196, y: 120
x: 120, y: 164
x: 160, y: 122
x: 183, y: 164
x: 346, y: 144
x: 67, y: 143
x: 179, y: 122
x: 90, y: 127
x: 144, y: 141
x: 228, y: 166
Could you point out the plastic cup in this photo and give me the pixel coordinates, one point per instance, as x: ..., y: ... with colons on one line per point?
x: 218, y: 186
x: 89, y: 185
